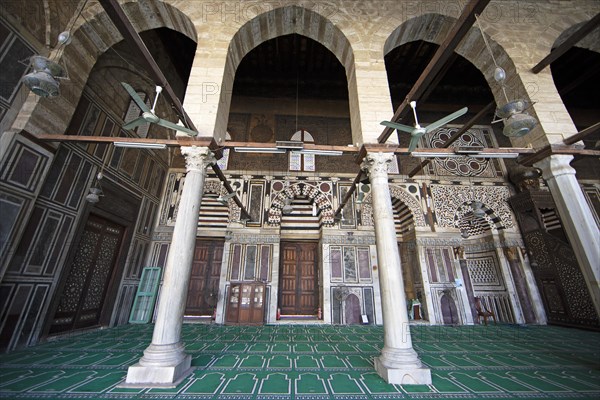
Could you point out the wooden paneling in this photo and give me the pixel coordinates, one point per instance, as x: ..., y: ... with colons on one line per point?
x: 204, y: 282
x: 298, y: 286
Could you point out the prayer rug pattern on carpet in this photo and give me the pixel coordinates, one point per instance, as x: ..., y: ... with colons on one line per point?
x: 314, y: 362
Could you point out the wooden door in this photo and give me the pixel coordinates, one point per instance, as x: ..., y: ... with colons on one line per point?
x: 83, y: 296
x: 246, y: 303
x: 298, y: 285
x: 204, y: 281
x: 251, y: 309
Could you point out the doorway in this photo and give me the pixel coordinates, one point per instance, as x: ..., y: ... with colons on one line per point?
x: 204, y: 281
x: 298, y: 279
x: 84, y: 294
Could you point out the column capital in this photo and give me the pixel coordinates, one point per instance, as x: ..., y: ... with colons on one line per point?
x: 376, y: 164
x: 556, y: 165
x: 197, y: 158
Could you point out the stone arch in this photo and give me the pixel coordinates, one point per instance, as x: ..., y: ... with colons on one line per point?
x: 214, y: 186
x: 453, y: 202
x: 565, y: 27
x: 279, y: 22
x: 297, y: 189
x: 434, y: 28
x: 473, y: 225
x: 401, y: 194
x: 91, y: 38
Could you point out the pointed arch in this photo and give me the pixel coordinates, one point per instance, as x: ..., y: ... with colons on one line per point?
x: 399, y: 195
x: 92, y: 37
x: 322, y: 202
x: 453, y: 203
x: 434, y: 28
x: 279, y: 22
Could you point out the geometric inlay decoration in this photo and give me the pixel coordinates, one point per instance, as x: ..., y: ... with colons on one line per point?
x: 449, y: 200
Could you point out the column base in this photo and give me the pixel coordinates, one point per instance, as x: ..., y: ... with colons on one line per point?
x: 403, y: 375
x: 162, y: 366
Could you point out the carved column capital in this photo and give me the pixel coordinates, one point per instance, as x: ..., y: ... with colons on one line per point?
x: 197, y: 158
x: 556, y: 165
x: 376, y: 164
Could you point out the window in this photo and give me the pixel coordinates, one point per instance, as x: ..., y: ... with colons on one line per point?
x: 298, y: 161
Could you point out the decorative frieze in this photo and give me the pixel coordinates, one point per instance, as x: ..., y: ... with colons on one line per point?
x: 348, y: 239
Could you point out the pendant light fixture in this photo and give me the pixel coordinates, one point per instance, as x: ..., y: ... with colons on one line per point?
x: 517, y: 122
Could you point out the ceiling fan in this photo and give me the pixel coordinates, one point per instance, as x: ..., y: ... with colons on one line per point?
x: 148, y: 115
x: 417, y: 131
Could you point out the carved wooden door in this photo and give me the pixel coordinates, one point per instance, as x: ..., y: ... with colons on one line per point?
x: 83, y: 295
x: 204, y: 281
x: 298, y: 285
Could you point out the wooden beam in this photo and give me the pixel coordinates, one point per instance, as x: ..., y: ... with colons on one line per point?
x: 198, y: 141
x: 483, y: 112
x: 553, y: 149
x: 136, y: 44
x: 441, y: 56
x: 567, y: 44
x: 582, y: 134
x: 349, y: 193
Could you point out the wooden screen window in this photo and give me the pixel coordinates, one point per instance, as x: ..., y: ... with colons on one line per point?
x: 143, y: 304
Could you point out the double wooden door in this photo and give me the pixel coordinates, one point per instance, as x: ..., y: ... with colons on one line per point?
x: 298, y: 282
x: 204, y: 281
x: 83, y: 297
x: 246, y: 303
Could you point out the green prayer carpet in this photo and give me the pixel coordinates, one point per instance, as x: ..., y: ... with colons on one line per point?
x: 314, y: 362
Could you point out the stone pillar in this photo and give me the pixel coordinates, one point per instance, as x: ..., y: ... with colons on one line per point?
x: 577, y: 219
x: 164, y: 363
x: 398, y: 362
x: 520, y: 284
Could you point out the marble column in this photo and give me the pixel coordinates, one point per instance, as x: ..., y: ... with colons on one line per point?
x: 165, y: 363
x: 577, y: 218
x: 398, y: 362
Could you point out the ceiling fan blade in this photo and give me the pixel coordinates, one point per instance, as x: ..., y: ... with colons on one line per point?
x: 135, y: 123
x: 398, y: 126
x: 413, y: 143
x: 135, y: 97
x: 445, y: 120
x: 171, y: 125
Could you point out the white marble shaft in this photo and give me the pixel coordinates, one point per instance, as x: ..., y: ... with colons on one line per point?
x: 398, y: 362
x: 164, y: 362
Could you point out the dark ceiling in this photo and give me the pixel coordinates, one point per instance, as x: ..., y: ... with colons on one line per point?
x: 288, y: 66
x: 576, y: 75
x: 291, y: 64
x: 460, y: 83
